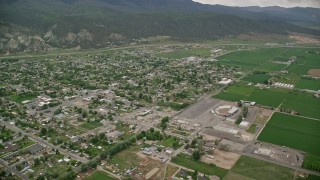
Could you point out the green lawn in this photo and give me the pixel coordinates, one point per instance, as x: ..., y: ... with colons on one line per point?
x: 169, y: 142
x: 294, y: 132
x: 98, y: 175
x: 183, y: 53
x: 252, y: 129
x: 22, y: 97
x: 188, y: 162
x: 250, y: 168
x: 91, y: 125
x: 127, y: 159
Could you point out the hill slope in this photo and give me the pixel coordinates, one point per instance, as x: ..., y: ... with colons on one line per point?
x: 32, y: 25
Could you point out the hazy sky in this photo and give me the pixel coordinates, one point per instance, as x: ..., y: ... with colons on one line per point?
x: 282, y: 3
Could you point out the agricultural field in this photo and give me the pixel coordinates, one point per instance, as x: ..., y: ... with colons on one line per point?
x: 311, y: 162
x: 98, y: 175
x: 306, y: 59
x: 188, y: 162
x: 311, y: 84
x: 250, y: 168
x: 257, y: 78
x: 271, y: 67
x: 183, y: 53
x: 236, y: 92
x: 250, y: 59
x: 294, y: 132
x: 303, y: 103
x: 287, y: 78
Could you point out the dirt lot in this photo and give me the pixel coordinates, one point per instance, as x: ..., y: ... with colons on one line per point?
x: 314, y: 72
x: 302, y: 38
x: 222, y: 159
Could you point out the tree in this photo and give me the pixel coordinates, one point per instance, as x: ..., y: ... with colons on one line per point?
x: 37, y: 162
x: 239, y: 120
x: 93, y: 164
x: 195, y: 175
x: 196, y: 155
x: 43, y: 131
x: 245, y: 111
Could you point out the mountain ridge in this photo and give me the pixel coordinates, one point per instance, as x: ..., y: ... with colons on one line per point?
x: 100, y: 23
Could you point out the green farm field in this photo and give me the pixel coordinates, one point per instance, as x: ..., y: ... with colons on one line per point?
x: 311, y: 84
x: 271, y: 67
x: 294, y: 132
x: 306, y: 59
x: 250, y: 168
x: 250, y: 59
x: 257, y: 78
x: 303, y: 103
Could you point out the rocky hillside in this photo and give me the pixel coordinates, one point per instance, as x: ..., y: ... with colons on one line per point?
x: 41, y: 25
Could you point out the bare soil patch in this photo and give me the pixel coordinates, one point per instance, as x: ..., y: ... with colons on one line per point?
x: 314, y: 72
x: 303, y: 38
x: 222, y: 159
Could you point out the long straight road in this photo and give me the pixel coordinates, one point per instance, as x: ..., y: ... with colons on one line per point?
x: 13, y: 170
x: 43, y: 142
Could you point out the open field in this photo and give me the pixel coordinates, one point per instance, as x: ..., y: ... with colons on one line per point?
x: 127, y: 159
x: 22, y: 97
x: 170, y: 171
x: 250, y: 59
x: 183, y: 53
x: 271, y: 67
x: 257, y: 78
x: 311, y: 84
x: 303, y: 103
x: 250, y: 168
x: 188, y: 162
x: 169, y: 142
x: 222, y: 159
x: 306, y: 59
x: 91, y: 125
x: 294, y: 132
x: 98, y: 175
x: 314, y: 72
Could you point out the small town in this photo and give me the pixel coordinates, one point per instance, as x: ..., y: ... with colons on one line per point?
x: 141, y: 113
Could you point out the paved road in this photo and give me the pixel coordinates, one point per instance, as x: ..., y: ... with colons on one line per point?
x: 13, y: 170
x: 43, y: 142
x: 104, y: 50
x: 44, y: 54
